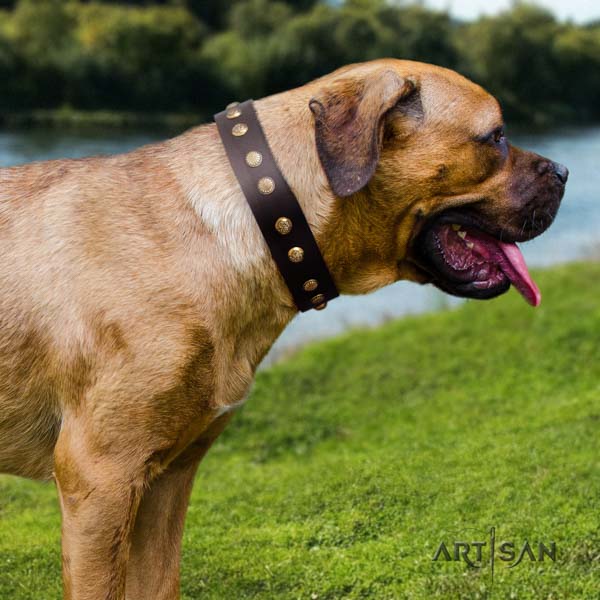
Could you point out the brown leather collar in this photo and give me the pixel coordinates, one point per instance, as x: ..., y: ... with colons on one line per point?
x: 275, y: 207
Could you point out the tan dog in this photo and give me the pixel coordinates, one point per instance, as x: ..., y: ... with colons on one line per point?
x: 137, y: 295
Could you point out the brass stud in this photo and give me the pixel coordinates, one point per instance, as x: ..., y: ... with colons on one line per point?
x: 239, y: 129
x: 232, y: 105
x: 318, y: 299
x: 283, y: 225
x: 310, y: 285
x: 254, y: 158
x: 320, y: 306
x: 233, y: 113
x: 266, y: 185
x: 296, y: 254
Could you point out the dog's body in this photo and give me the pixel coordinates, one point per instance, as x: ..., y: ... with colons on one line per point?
x: 138, y: 296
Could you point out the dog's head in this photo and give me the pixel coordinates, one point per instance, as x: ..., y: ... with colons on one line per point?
x: 427, y: 186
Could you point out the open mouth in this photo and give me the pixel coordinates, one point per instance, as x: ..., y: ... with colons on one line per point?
x: 464, y: 260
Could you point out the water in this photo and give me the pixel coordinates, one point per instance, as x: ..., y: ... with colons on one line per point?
x: 575, y: 234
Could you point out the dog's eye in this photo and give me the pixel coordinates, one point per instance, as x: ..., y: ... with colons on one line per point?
x: 495, y: 138
x: 499, y: 136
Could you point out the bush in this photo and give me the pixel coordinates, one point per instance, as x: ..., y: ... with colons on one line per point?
x: 187, y: 55
x: 145, y: 58
x: 513, y: 55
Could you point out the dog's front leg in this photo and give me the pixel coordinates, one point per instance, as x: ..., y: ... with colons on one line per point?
x: 153, y: 567
x: 99, y: 495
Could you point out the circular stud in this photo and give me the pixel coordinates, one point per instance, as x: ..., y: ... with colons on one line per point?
x: 283, y: 225
x: 233, y: 113
x: 231, y: 105
x: 296, y: 254
x: 320, y: 306
x: 318, y: 299
x: 254, y: 158
x: 239, y: 129
x: 310, y: 285
x: 266, y: 185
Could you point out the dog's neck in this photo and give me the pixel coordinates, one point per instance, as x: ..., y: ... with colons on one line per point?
x: 251, y: 300
x: 289, y: 128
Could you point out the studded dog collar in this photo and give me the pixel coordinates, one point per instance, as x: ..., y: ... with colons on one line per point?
x: 275, y: 208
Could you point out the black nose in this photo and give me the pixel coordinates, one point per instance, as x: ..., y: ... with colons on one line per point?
x: 561, y: 172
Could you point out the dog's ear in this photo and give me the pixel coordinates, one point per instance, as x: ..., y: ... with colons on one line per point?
x: 349, y: 118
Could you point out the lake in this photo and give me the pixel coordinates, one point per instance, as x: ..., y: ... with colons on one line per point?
x: 575, y: 233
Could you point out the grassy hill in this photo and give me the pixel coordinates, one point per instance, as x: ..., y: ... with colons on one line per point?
x: 353, y: 460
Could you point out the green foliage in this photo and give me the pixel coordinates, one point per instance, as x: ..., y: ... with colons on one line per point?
x: 139, y: 58
x: 11, y: 66
x: 421, y: 34
x: 514, y: 56
x: 314, y: 43
x: 196, y: 55
x: 212, y: 12
x: 578, y: 69
x: 43, y: 31
x: 258, y: 18
x: 304, y: 48
x: 352, y: 461
x: 540, y: 69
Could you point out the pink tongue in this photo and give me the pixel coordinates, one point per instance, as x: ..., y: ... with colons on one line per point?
x: 516, y: 270
x: 509, y: 259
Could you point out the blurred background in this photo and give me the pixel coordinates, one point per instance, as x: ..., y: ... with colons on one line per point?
x: 187, y: 56
x: 80, y: 78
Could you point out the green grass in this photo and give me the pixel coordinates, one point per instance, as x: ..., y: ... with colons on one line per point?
x: 353, y: 460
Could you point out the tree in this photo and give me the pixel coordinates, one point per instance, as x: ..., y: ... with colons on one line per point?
x: 215, y: 13
x: 258, y: 18
x: 212, y: 12
x: 421, y: 34
x: 513, y: 56
x: 578, y: 57
x: 138, y: 58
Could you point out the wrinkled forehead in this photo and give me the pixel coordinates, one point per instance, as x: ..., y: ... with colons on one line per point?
x: 451, y: 99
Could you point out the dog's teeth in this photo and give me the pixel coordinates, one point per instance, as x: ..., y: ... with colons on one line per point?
x: 456, y: 227
x: 461, y: 234
x: 470, y: 245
